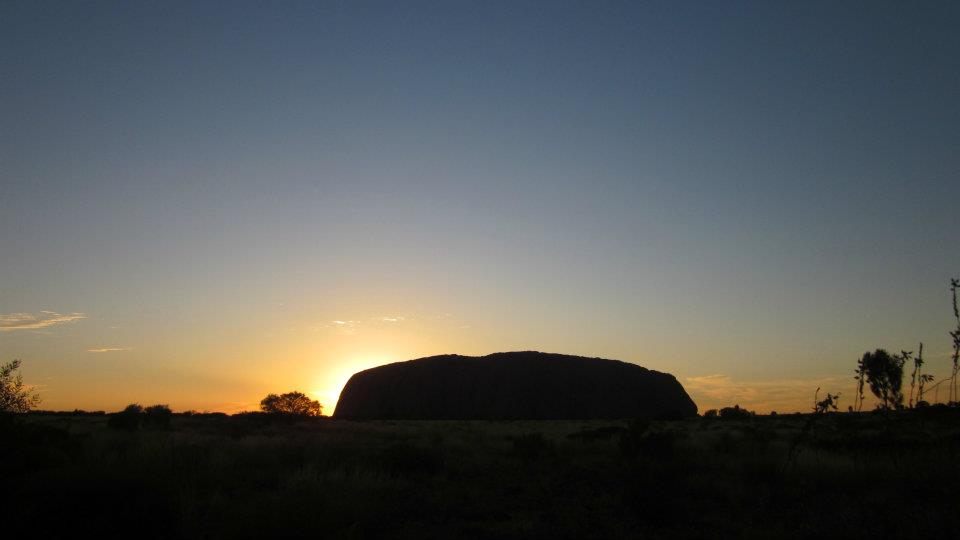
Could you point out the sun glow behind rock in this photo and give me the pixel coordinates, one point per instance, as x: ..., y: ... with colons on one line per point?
x: 331, y: 381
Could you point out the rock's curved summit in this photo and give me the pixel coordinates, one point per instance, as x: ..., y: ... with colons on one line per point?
x: 513, y: 386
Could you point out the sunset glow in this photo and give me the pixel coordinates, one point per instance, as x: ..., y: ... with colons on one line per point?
x: 199, y: 214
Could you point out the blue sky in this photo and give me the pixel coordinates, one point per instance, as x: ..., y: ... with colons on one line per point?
x: 755, y: 192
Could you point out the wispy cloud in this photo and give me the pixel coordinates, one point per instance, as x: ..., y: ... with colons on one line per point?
x: 345, y: 327
x: 353, y: 326
x: 29, y: 321
x: 110, y: 349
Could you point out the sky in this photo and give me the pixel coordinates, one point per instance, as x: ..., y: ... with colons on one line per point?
x: 202, y: 203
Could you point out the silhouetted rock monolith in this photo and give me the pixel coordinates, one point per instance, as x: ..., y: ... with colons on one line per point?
x: 513, y: 385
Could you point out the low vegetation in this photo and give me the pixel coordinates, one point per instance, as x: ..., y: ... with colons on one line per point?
x: 256, y: 476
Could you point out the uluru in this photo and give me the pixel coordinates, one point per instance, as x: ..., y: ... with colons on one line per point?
x: 513, y: 386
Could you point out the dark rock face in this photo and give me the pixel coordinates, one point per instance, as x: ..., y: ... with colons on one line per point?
x: 513, y: 385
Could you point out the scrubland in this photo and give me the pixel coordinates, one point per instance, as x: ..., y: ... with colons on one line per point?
x: 850, y: 475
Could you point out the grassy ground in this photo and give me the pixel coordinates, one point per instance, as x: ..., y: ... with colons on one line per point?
x: 855, y: 476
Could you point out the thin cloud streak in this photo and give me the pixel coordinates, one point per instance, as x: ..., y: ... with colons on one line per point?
x: 28, y: 321
x: 110, y: 349
x: 352, y: 326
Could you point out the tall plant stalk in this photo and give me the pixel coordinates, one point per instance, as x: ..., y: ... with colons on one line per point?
x: 917, y: 363
x: 921, y: 378
x: 860, y: 378
x: 955, y: 334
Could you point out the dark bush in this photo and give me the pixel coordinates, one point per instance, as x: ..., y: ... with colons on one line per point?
x: 157, y: 416
x: 128, y: 419
x: 291, y: 403
x: 735, y: 412
x: 937, y: 410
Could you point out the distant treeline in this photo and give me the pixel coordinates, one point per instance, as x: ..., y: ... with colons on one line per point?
x: 81, y: 412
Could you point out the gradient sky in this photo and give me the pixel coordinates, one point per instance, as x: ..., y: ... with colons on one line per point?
x: 201, y: 204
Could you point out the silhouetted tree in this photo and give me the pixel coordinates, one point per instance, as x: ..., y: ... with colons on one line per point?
x: 157, y: 416
x: 884, y: 374
x: 292, y: 403
x: 128, y: 419
x: 14, y: 397
x: 735, y: 412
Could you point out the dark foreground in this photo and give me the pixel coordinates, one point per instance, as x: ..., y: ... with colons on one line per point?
x: 207, y: 476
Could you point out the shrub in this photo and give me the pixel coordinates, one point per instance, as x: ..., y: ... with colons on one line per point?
x: 826, y: 404
x: 291, y: 403
x: 157, y: 416
x: 735, y: 412
x: 128, y: 419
